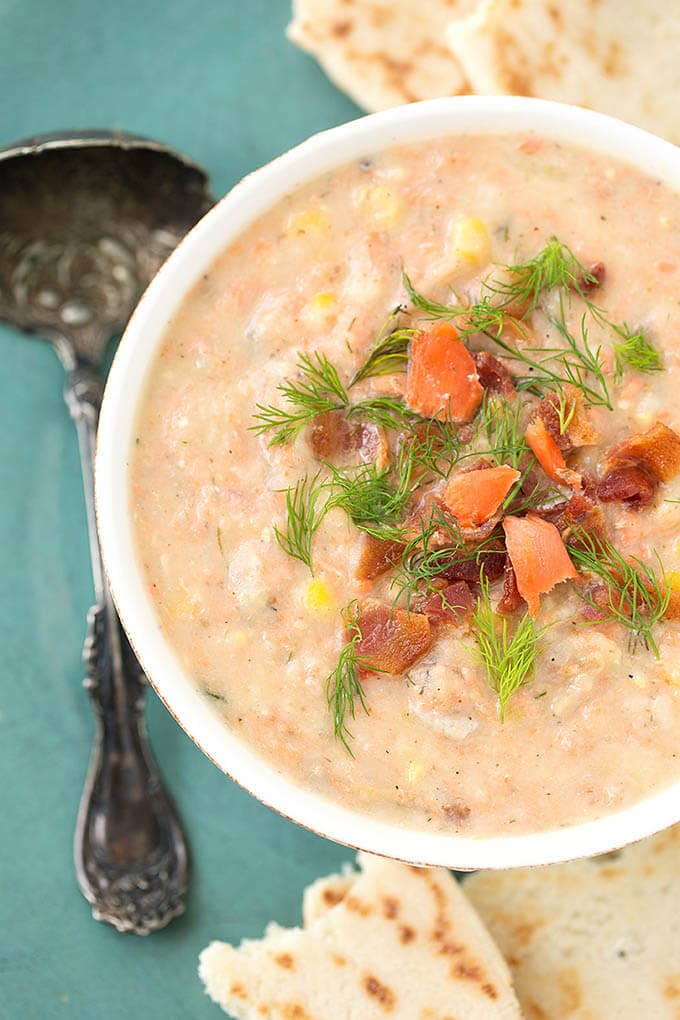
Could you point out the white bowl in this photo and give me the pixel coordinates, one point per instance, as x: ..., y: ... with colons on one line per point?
x: 229, y: 218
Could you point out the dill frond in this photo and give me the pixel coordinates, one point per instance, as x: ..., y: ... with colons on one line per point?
x: 343, y: 686
x: 389, y: 352
x: 509, y: 659
x: 317, y: 390
x: 635, y: 351
x: 637, y: 597
x: 304, y: 515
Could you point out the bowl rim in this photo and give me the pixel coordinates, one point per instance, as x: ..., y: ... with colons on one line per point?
x: 227, y: 220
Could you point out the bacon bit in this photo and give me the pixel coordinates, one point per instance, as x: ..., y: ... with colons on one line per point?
x: 493, y: 375
x: 627, y: 484
x: 442, y: 379
x: 451, y: 604
x: 673, y: 610
x: 391, y: 639
x: 596, y: 611
x: 657, y: 451
x: 331, y: 437
x: 474, y: 496
x: 598, y: 270
x: 580, y: 430
x: 491, y: 564
x: 538, y: 556
x: 511, y: 599
x: 376, y: 556
x: 549, y: 455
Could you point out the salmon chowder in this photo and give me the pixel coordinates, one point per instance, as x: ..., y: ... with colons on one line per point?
x: 406, y: 478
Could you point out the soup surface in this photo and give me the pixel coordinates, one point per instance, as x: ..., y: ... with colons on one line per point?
x: 515, y: 674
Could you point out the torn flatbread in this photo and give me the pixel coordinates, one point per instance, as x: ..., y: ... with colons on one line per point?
x: 382, y: 53
x: 616, y: 56
x: 591, y: 939
x: 401, y: 943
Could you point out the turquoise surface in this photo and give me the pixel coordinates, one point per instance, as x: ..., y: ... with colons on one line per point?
x: 218, y: 80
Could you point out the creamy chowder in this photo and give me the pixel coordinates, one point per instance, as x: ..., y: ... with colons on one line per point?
x: 443, y: 592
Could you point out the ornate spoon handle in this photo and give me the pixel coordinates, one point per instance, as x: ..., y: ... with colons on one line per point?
x: 130, y: 852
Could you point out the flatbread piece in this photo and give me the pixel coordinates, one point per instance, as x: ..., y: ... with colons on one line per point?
x: 616, y: 56
x: 382, y: 53
x: 591, y: 940
x: 391, y: 943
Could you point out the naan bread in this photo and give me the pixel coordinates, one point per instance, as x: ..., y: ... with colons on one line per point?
x: 591, y: 940
x: 400, y: 943
x: 616, y: 56
x: 382, y: 52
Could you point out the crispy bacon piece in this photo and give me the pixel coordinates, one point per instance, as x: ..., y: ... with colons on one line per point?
x: 391, y: 639
x: 627, y: 484
x: 579, y: 431
x: 332, y: 437
x: 597, y: 270
x: 673, y: 610
x: 538, y: 556
x: 511, y: 599
x: 656, y: 451
x: 451, y: 604
x: 493, y: 375
x: 376, y: 556
x: 580, y: 510
x: 491, y: 564
x: 599, y: 595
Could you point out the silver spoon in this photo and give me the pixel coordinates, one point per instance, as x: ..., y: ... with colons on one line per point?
x: 86, y: 219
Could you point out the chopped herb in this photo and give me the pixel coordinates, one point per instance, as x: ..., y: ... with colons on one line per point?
x: 388, y: 354
x: 387, y: 412
x: 304, y: 517
x: 637, y: 598
x: 219, y: 540
x: 316, y: 391
x: 509, y: 659
x: 635, y: 351
x: 372, y: 501
x: 555, y: 266
x: 343, y: 686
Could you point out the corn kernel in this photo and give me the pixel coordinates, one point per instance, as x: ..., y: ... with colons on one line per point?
x: 676, y: 547
x: 237, y: 638
x: 383, y: 205
x: 317, y: 597
x: 471, y: 240
x: 321, y: 307
x: 179, y: 604
x: 311, y: 221
x: 416, y: 770
x: 674, y: 579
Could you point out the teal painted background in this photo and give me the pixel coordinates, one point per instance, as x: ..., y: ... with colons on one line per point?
x: 218, y: 80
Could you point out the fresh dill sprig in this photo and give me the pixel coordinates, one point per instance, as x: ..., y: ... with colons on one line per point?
x: 304, y: 515
x: 387, y: 412
x: 389, y: 352
x: 433, y: 309
x: 370, y: 499
x: 500, y: 426
x: 555, y: 266
x: 318, y: 390
x: 509, y: 659
x: 430, y: 553
x: 549, y: 367
x: 343, y: 686
x: 637, y: 598
x: 434, y: 448
x: 635, y: 351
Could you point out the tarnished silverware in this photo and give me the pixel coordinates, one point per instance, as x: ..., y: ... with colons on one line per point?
x: 86, y: 219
